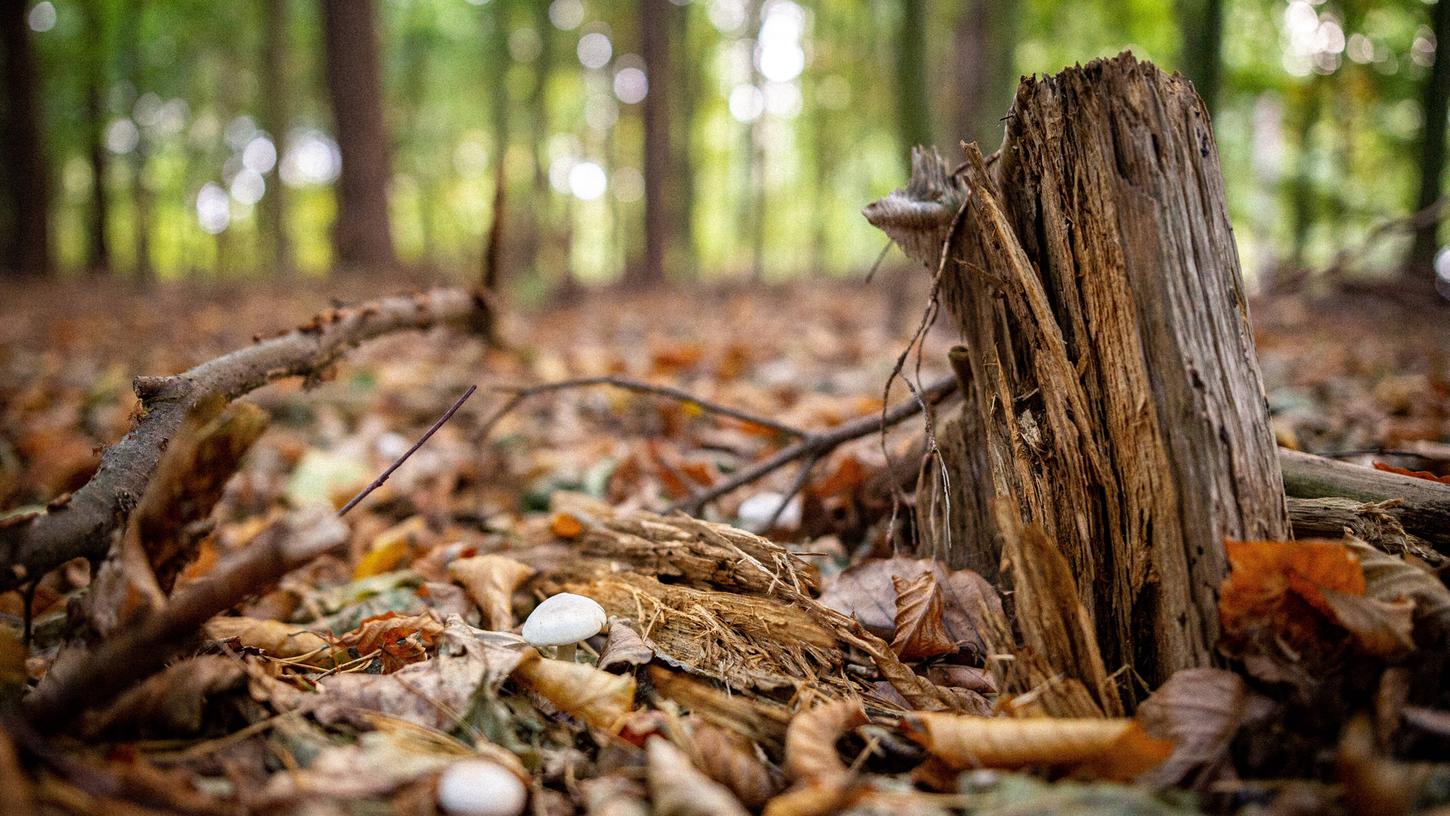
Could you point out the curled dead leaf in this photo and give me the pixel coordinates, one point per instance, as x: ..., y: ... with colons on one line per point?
x: 734, y: 762
x: 274, y: 637
x: 678, y: 788
x: 1199, y: 710
x: 810, y: 741
x: 919, y: 630
x: 1116, y: 749
x: 624, y: 647
x: 490, y: 581
x: 595, y: 697
x: 172, y: 702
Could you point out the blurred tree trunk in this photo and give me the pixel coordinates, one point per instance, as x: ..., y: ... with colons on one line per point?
x: 275, y: 121
x: 1201, y: 24
x: 686, y: 88
x: 655, y: 23
x: 141, y: 193
x: 98, y: 248
x: 1435, y: 95
x: 25, y: 180
x: 540, y: 214
x: 362, y: 236
x: 1301, y: 185
x: 498, y: 62
x: 913, y: 119
x: 984, y: 41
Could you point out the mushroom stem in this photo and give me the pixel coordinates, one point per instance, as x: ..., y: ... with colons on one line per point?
x: 566, y: 652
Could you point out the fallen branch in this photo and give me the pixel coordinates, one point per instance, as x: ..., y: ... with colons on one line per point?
x: 383, y: 477
x: 819, y: 443
x: 1373, y: 522
x: 1423, y: 507
x: 86, y: 680
x: 82, y: 526
x: 522, y: 393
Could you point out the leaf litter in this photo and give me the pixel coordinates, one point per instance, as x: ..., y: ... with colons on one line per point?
x: 814, y: 669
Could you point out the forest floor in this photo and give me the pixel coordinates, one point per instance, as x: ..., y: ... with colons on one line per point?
x: 504, y: 510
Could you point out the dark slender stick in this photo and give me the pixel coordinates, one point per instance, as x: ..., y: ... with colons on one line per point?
x: 378, y: 482
x: 522, y: 393
x: 822, y: 442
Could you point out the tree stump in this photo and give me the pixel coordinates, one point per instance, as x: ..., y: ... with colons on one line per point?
x: 1112, y: 393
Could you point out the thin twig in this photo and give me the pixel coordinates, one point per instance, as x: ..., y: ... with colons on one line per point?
x: 821, y: 443
x: 801, y: 477
x: 378, y: 482
x: 521, y: 393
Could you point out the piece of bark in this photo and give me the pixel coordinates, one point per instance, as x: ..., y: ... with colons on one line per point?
x: 82, y: 526
x: 1423, y: 507
x: 1114, y: 397
x: 1375, y: 522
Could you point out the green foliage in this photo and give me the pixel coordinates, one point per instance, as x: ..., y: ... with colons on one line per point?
x: 1314, y: 154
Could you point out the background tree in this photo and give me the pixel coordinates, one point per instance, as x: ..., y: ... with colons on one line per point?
x: 1201, y: 22
x: 24, y: 175
x: 1434, y: 98
x: 984, y: 39
x: 655, y: 25
x: 914, y: 116
x: 362, y: 235
x: 274, y: 120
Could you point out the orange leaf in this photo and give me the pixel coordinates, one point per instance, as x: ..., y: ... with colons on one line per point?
x: 1414, y: 474
x: 565, y: 525
x: 1113, y: 748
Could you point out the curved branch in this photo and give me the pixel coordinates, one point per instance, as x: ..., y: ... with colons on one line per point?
x: 82, y: 526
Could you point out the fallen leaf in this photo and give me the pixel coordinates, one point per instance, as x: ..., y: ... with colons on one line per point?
x: 734, y: 762
x: 437, y: 693
x: 397, y: 639
x: 866, y: 592
x: 1108, y: 748
x: 678, y: 788
x: 1414, y: 474
x: 595, y: 697
x: 274, y: 637
x: 823, y: 783
x: 491, y: 580
x: 1199, y: 710
x: 624, y: 647
x: 172, y: 702
x: 566, y: 525
x: 919, y: 630
x: 1381, y: 628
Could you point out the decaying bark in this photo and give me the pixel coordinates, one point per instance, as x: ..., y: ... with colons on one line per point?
x: 1113, y: 394
x: 82, y: 525
x: 1421, y: 507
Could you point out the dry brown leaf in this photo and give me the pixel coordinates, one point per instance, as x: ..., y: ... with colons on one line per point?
x: 1109, y: 748
x: 172, y: 702
x: 1199, y: 710
x: 437, y: 693
x: 624, y: 647
x: 919, y: 631
x: 678, y: 788
x: 566, y: 525
x: 732, y: 760
x: 866, y: 592
x: 491, y: 581
x: 1388, y: 577
x: 823, y: 782
x: 274, y: 637
x: 810, y: 741
x: 397, y: 639
x: 595, y: 697
x: 1381, y: 628
x: 613, y: 796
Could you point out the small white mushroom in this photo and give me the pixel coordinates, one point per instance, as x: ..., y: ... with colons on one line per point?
x: 563, y: 620
x: 477, y: 787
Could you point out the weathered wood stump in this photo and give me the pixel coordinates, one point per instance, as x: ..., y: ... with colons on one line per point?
x: 1112, y: 392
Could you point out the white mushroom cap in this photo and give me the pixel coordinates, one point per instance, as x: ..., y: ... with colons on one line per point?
x: 563, y: 619
x: 478, y: 787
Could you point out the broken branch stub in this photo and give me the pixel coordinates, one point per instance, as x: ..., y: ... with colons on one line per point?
x: 1112, y: 391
